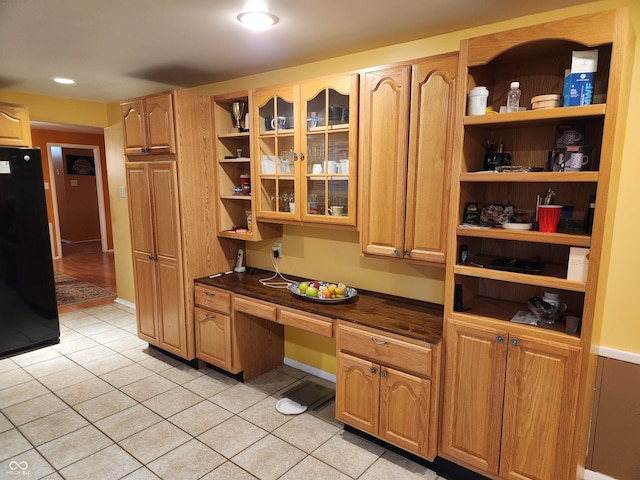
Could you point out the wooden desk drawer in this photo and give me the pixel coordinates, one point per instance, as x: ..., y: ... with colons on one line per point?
x: 385, y: 349
x: 254, y: 307
x: 212, y: 298
x: 310, y: 323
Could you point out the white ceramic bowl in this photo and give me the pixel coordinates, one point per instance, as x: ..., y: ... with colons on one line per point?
x: 516, y: 226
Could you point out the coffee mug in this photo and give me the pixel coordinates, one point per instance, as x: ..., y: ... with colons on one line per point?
x: 317, y: 169
x: 343, y: 166
x: 268, y: 123
x: 332, y: 167
x: 336, y: 211
x: 282, y: 123
x: 292, y: 207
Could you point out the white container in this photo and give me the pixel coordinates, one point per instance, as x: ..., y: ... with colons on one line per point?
x: 478, y: 101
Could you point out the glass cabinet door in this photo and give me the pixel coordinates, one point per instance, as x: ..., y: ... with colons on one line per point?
x: 277, y: 154
x: 329, y: 141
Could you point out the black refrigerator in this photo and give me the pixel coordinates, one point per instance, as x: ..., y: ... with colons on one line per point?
x: 28, y: 306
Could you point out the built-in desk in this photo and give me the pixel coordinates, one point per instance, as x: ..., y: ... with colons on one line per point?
x: 402, y: 316
x: 387, y: 349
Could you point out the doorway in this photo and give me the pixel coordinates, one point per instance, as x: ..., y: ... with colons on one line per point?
x: 58, y: 168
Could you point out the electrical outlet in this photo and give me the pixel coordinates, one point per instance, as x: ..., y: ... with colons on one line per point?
x: 276, y: 250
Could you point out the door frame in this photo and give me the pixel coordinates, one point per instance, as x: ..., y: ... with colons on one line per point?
x: 99, y: 190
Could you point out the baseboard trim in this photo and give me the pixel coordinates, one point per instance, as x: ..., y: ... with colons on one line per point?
x: 126, y: 303
x: 589, y: 475
x: 619, y: 355
x: 310, y: 370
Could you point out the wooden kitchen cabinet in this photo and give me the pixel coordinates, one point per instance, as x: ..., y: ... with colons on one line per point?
x: 516, y: 398
x: 510, y: 401
x: 307, y: 166
x: 406, y: 143
x: 387, y: 387
x: 213, y: 327
x: 15, y: 130
x: 157, y: 251
x: 172, y: 242
x: 234, y: 208
x: 148, y: 125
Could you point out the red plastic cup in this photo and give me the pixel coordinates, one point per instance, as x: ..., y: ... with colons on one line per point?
x: 548, y: 217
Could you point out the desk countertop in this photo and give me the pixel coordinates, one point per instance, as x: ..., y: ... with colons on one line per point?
x: 403, y: 316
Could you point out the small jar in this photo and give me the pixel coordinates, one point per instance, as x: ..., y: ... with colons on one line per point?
x: 478, y: 101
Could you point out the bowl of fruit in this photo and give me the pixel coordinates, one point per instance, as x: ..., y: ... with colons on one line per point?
x: 322, y: 291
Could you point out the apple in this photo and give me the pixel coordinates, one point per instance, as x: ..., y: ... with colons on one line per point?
x: 314, y: 284
x: 303, y: 287
x: 311, y: 291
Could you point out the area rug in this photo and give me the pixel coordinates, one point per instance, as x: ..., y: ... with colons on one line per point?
x: 70, y: 290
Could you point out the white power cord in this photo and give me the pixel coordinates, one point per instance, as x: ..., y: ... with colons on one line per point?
x: 274, y: 281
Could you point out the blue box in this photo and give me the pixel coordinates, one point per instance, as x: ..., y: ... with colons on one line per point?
x: 578, y: 89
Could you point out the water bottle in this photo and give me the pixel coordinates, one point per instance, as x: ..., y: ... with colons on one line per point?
x: 513, y: 97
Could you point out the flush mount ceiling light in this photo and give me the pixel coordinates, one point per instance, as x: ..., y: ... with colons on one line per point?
x: 257, y: 21
x: 64, y: 81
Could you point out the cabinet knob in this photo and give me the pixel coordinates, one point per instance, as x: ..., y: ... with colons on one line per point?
x: 301, y: 155
x: 373, y: 370
x: 153, y: 258
x: 396, y: 252
x: 406, y: 253
x: 143, y: 150
x: 499, y: 338
x: 209, y: 294
x: 383, y: 373
x: 515, y: 342
x: 378, y: 342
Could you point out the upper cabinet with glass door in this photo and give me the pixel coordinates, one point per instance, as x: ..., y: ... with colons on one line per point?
x: 307, y: 147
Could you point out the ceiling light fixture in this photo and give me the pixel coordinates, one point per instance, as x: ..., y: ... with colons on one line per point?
x: 64, y: 81
x: 257, y: 21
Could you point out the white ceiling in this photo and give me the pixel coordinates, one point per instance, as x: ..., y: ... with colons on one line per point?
x: 117, y: 49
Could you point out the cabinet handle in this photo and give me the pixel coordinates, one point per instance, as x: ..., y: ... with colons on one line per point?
x: 142, y: 150
x: 515, y: 342
x: 301, y: 155
x: 406, y: 253
x: 209, y: 294
x: 383, y: 373
x: 396, y: 252
x: 373, y: 370
x: 499, y: 338
x: 153, y: 258
x: 377, y: 342
x: 208, y: 316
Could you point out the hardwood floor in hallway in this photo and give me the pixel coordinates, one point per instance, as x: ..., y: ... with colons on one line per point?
x: 85, y: 261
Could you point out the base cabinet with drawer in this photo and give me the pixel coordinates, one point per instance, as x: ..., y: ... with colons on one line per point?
x: 387, y: 386
x: 213, y: 327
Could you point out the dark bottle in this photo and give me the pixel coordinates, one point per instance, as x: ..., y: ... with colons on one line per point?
x: 457, y: 298
x: 588, y: 218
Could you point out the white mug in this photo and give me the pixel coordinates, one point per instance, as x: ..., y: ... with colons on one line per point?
x: 332, y: 167
x: 292, y: 207
x: 317, y: 168
x: 336, y: 211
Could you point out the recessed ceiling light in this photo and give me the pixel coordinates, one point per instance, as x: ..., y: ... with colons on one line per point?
x: 64, y: 81
x: 257, y: 20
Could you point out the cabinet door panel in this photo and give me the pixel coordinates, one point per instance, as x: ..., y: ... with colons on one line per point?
x: 140, y: 208
x: 173, y: 326
x: 133, y: 127
x: 431, y: 134
x: 15, y: 130
x: 357, y: 393
x: 213, y: 338
x: 404, y: 410
x: 540, y: 401
x: 144, y: 272
x: 166, y: 215
x: 384, y: 144
x: 473, y: 395
x: 159, y: 117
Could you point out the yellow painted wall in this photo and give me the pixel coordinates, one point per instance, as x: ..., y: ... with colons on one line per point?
x: 59, y: 110
x: 327, y: 254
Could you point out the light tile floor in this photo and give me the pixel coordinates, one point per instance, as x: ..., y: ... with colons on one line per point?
x: 102, y: 405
